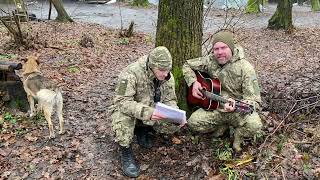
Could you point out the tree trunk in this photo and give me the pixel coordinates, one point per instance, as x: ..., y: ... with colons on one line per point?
x: 253, y: 6
x: 282, y: 18
x: 179, y: 28
x: 50, y: 8
x: 315, y: 5
x: 21, y: 11
x: 19, y: 38
x: 62, y: 13
x: 20, y: 6
x: 140, y: 3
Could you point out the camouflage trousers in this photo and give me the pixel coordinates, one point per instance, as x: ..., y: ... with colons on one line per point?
x: 123, y: 126
x: 211, y: 121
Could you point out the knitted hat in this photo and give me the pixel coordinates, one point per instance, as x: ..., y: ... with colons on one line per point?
x: 160, y: 57
x: 225, y: 37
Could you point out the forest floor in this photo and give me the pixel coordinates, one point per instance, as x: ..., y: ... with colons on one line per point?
x: 288, y: 148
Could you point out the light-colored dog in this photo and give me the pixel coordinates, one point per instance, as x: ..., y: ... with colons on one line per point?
x: 46, y: 93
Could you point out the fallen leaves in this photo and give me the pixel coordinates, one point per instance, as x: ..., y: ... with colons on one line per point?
x: 5, y: 174
x: 194, y: 161
x: 8, y: 139
x: 217, y: 177
x: 4, y: 152
x: 26, y: 156
x: 88, y: 77
x: 84, y: 75
x: 144, y: 167
x: 317, y: 172
x: 36, y: 160
x: 30, y: 137
x: 176, y: 140
x: 207, y: 169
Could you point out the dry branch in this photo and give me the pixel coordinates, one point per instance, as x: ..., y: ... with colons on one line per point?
x: 127, y: 32
x: 278, y: 127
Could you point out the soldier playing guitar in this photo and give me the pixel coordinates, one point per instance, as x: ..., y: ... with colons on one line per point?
x: 230, y: 95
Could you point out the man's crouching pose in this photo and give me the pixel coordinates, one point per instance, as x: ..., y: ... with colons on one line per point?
x: 140, y: 86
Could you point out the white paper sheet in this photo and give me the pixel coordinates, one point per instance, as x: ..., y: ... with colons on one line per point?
x: 172, y: 114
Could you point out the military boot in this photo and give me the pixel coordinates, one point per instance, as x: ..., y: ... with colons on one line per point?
x: 144, y: 139
x: 128, y: 164
x: 238, y: 140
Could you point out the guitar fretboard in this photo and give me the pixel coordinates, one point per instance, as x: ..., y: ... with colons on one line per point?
x: 214, y: 97
x: 240, y: 106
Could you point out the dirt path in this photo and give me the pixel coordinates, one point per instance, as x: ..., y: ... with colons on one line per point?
x: 87, y: 149
x: 95, y: 118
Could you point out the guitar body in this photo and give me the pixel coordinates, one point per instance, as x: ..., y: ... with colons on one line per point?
x: 210, y: 85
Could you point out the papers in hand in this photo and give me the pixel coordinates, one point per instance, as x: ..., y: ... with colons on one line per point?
x: 172, y: 114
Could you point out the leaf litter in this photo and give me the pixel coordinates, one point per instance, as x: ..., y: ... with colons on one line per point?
x: 286, y: 64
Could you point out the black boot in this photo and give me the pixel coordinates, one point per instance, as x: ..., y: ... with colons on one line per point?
x: 166, y: 140
x: 143, y: 137
x: 129, y: 166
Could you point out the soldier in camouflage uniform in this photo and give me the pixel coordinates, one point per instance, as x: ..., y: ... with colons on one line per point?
x: 238, y: 81
x: 140, y: 86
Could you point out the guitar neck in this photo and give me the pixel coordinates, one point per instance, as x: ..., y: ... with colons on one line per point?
x: 240, y: 106
x: 214, y: 97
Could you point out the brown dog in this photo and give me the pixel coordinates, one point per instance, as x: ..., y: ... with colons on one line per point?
x: 46, y: 93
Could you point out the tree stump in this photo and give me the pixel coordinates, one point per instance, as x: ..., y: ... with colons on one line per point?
x: 12, y: 94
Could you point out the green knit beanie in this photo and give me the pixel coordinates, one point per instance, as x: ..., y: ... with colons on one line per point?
x: 225, y: 37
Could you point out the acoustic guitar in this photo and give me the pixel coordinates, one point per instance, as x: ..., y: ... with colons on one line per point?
x: 211, y: 95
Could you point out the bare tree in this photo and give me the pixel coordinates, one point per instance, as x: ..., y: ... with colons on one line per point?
x: 315, y: 5
x: 62, y: 13
x: 21, y: 10
x: 253, y: 6
x: 14, y: 29
x: 282, y: 18
x: 140, y: 2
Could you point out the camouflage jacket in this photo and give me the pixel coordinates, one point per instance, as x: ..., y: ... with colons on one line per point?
x: 238, y: 77
x: 135, y: 91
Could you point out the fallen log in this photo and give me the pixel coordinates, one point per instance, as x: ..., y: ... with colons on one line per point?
x: 9, y: 66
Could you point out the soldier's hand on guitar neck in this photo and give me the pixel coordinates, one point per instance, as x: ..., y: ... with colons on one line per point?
x: 196, y: 87
x: 230, y: 105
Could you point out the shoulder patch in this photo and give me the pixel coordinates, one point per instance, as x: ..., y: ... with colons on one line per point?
x: 122, y: 87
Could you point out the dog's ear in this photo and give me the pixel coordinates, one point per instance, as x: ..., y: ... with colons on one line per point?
x: 37, y: 60
x: 36, y: 56
x: 24, y: 59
